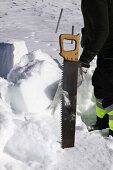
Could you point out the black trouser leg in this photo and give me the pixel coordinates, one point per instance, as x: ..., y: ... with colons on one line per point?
x: 98, y: 82
x: 97, y: 79
x: 108, y: 82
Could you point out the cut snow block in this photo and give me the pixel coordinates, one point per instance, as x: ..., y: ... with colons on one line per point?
x: 35, y: 81
x: 10, y: 54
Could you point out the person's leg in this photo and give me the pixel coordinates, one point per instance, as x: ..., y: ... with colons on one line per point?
x: 107, y: 53
x: 97, y: 81
x: 108, y: 90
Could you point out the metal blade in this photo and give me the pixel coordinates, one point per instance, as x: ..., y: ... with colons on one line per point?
x: 69, y: 97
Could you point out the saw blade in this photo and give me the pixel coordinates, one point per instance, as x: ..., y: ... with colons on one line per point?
x: 69, y: 97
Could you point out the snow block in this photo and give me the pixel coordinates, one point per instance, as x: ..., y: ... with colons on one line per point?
x: 34, y: 83
x: 10, y: 54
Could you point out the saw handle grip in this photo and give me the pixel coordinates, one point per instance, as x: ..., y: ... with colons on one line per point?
x: 71, y: 55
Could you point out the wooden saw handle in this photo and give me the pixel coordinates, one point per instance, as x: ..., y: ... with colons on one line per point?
x: 71, y: 55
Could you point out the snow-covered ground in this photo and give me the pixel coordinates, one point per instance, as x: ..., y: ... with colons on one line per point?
x: 29, y: 115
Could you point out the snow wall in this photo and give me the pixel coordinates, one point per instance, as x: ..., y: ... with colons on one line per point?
x: 10, y: 54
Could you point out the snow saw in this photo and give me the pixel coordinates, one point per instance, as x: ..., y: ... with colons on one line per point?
x: 69, y: 86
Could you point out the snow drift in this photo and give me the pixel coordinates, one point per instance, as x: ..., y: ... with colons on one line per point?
x: 28, y: 94
x: 30, y: 133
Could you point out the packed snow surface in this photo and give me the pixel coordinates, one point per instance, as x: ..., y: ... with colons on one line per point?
x: 30, y: 96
